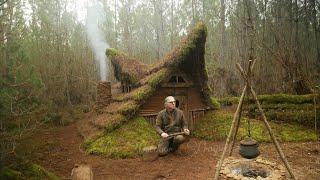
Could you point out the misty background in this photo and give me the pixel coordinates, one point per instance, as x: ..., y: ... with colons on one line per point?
x: 96, y: 17
x: 52, y: 52
x: 52, y: 56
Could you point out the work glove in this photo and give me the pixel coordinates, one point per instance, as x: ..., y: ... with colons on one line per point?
x: 186, y: 131
x: 164, y: 135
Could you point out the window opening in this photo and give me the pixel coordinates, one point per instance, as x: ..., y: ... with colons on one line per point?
x: 181, y: 80
x: 173, y: 79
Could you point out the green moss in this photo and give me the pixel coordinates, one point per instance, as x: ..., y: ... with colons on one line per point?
x: 291, y: 113
x: 124, y: 73
x: 112, y: 53
x: 291, y: 132
x: 127, y: 141
x: 280, y: 107
x: 26, y: 171
x: 228, y: 101
x: 126, y: 108
x: 273, y: 99
x: 114, y: 122
x: 143, y: 93
x: 121, y: 97
x: 286, y: 98
x: 130, y: 78
x: 139, y: 94
x: 156, y: 79
x: 216, y: 126
x: 129, y: 109
x: 215, y: 103
x: 188, y: 45
x: 35, y: 171
x: 8, y: 173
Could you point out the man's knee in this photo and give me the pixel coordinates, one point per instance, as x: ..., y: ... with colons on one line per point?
x: 179, y: 139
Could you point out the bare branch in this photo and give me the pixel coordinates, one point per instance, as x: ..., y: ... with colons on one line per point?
x: 2, y: 3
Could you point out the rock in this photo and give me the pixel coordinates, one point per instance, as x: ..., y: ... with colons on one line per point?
x: 81, y: 172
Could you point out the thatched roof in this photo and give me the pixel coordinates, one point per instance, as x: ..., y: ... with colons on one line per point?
x: 126, y: 69
x: 188, y: 57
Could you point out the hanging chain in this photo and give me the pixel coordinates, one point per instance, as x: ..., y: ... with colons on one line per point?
x: 248, y: 96
x: 249, y: 128
x: 248, y: 121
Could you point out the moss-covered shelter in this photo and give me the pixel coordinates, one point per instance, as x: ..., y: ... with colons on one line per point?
x: 142, y: 88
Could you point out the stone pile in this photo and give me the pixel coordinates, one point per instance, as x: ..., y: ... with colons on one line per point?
x: 237, y: 168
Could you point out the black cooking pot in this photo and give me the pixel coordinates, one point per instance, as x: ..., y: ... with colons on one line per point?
x: 249, y: 148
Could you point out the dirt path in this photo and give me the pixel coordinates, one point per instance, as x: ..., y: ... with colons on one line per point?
x: 60, y: 148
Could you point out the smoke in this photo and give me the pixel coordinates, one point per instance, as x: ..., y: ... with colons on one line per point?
x: 95, y: 16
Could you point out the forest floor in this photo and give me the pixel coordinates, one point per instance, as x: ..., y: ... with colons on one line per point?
x: 58, y: 149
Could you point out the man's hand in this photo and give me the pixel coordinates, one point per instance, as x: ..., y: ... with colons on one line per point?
x: 186, y: 131
x: 164, y: 135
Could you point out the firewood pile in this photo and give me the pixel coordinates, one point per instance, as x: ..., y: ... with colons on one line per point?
x: 103, y: 95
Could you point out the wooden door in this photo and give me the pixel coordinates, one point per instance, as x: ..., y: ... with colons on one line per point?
x: 183, y: 104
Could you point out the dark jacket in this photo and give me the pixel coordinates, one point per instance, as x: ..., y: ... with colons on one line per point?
x: 171, y: 122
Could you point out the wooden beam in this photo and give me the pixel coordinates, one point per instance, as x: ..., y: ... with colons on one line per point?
x: 237, y: 124
x: 243, y: 74
x: 282, y: 156
x: 235, y: 119
x: 246, y: 77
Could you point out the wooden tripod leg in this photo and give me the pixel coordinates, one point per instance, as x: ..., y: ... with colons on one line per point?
x: 235, y: 118
x: 283, y: 158
x: 237, y: 123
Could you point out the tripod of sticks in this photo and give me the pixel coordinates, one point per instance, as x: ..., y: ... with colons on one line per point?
x: 236, y: 121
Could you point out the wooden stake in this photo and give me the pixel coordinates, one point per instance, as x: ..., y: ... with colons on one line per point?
x: 236, y: 121
x: 235, y: 118
x: 283, y: 158
x: 315, y: 114
x: 247, y: 79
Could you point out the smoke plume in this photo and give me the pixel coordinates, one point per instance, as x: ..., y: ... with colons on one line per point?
x: 95, y: 17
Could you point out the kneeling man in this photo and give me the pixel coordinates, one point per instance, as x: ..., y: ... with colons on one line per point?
x: 170, y: 120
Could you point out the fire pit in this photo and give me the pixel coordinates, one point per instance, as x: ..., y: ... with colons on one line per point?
x: 239, y: 168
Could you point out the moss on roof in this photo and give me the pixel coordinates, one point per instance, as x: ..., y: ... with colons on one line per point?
x: 126, y: 69
x: 188, y: 57
x: 187, y: 51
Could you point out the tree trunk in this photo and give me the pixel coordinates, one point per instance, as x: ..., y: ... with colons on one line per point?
x: 316, y: 32
x: 115, y: 25
x: 223, y: 31
x: 193, y: 12
x: 172, y: 22
x: 157, y: 28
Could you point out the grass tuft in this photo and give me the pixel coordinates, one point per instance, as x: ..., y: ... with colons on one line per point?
x: 25, y: 170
